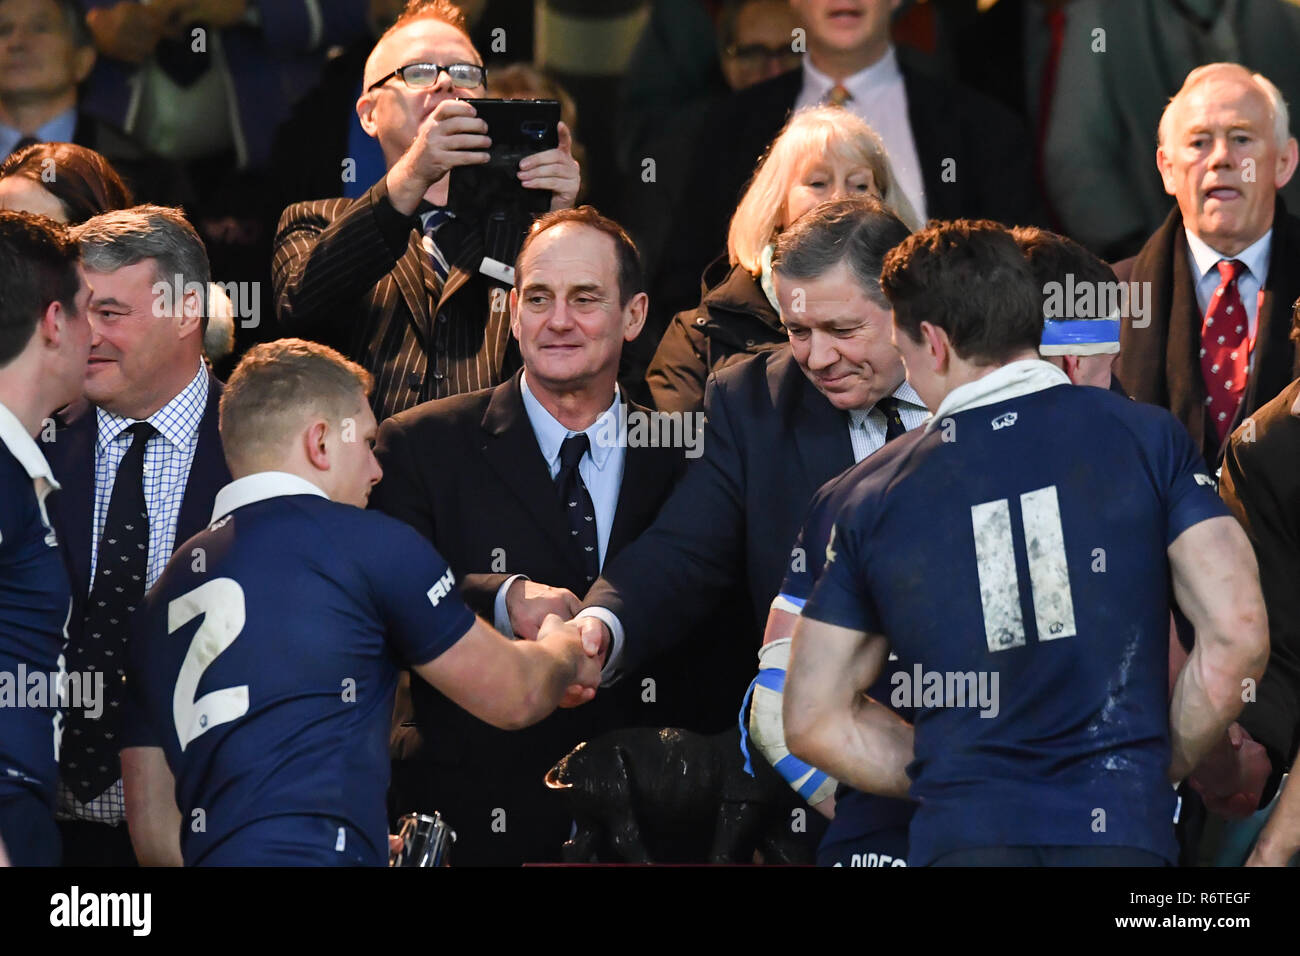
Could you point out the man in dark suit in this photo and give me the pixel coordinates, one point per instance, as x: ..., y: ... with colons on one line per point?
x: 1215, y: 342
x: 535, y: 481
x: 44, y: 56
x: 140, y: 464
x: 956, y: 153
x: 390, y: 278
x: 780, y: 425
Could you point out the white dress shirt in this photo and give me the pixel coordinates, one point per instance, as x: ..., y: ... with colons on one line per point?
x: 879, y: 98
x: 601, y: 470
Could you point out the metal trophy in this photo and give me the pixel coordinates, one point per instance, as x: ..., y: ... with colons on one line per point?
x: 426, y: 841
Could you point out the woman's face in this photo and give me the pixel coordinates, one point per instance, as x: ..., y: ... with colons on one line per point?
x: 20, y: 194
x: 823, y: 178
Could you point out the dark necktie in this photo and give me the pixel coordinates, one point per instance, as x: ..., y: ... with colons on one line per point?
x: 1225, y: 349
x: 180, y: 61
x: 436, y: 246
x: 894, y: 426
x: 90, y: 760
x: 1055, y: 19
x: 576, y: 501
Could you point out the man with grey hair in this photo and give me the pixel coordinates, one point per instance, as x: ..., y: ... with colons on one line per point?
x: 140, y: 462
x: 1215, y: 343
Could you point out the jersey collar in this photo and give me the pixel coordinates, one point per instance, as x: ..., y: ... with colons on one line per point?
x: 21, y: 445
x: 259, y: 487
x: 1010, y: 381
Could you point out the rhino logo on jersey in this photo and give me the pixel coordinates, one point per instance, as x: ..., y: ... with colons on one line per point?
x: 1005, y: 420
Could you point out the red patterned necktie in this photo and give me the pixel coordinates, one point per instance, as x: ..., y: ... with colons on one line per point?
x: 839, y: 95
x: 1225, y: 349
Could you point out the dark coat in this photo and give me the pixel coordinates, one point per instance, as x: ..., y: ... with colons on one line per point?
x: 733, y: 321
x: 1261, y: 485
x: 1160, y: 363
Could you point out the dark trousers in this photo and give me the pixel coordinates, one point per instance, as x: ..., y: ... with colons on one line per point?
x: 96, y: 844
x: 27, y: 829
x: 1050, y: 856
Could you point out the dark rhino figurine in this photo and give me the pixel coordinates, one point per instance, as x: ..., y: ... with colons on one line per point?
x: 642, y: 795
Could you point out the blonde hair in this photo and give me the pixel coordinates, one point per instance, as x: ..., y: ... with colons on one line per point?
x: 811, y: 134
x: 274, y: 388
x: 1276, y: 102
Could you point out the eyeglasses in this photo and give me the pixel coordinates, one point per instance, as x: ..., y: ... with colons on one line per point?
x: 421, y: 76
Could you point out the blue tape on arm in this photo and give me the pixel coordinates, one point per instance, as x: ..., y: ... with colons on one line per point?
x: 773, y: 678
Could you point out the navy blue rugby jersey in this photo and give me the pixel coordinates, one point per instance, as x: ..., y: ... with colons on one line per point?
x: 264, y: 663
x: 856, y: 813
x: 1015, y: 557
x: 35, y: 600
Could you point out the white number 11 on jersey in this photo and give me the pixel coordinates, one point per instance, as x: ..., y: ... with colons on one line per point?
x: 1049, y: 575
x: 221, y: 602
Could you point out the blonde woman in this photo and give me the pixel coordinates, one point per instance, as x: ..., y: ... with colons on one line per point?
x: 822, y: 153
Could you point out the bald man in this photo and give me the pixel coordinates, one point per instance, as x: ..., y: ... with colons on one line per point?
x: 1215, y: 344
x: 389, y: 278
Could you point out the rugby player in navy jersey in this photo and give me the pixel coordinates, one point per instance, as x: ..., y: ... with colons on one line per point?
x: 264, y: 660
x: 44, y: 343
x: 1025, y: 541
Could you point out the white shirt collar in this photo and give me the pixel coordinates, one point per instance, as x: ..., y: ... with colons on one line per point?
x: 178, y: 421
x: 258, y: 487
x: 1254, y: 256
x: 884, y: 72
x: 904, y: 393
x: 551, y: 434
x: 1010, y: 381
x: 24, y: 448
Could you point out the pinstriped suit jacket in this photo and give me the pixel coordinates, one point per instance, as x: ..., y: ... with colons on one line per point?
x: 352, y: 273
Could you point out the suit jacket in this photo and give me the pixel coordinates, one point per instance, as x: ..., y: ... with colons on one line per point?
x: 993, y: 175
x: 353, y: 273
x: 72, y: 459
x: 1261, y: 485
x: 772, y: 440
x: 1161, y: 363
x: 467, y: 473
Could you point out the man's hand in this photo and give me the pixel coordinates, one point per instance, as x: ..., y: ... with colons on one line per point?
x: 452, y: 135
x: 554, y: 169
x: 128, y: 31
x: 596, y: 642
x: 1232, y: 777
x: 529, y: 603
x: 588, y: 678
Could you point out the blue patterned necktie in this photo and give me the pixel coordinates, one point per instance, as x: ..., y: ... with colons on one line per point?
x: 90, y: 759
x: 432, y: 223
x: 579, y: 512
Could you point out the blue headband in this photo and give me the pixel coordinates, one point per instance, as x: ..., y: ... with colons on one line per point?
x: 1080, y: 331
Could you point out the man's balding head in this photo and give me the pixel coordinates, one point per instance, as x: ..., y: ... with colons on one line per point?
x: 1225, y: 150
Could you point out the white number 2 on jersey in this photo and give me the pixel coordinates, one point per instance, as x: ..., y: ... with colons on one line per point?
x: 221, y: 602
x: 1049, y: 575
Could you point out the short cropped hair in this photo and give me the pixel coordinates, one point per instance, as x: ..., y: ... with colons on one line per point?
x: 858, y: 231
x: 970, y: 279
x: 38, y: 266
x: 1276, y: 102
x: 631, y: 278
x: 442, y: 10
x: 83, y: 181
x: 124, y: 237
x: 275, y: 387
x: 1052, y: 257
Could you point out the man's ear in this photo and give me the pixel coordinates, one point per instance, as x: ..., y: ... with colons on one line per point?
x: 1070, y: 365
x: 938, y: 347
x: 53, y: 324
x: 83, y: 61
x: 1286, y: 164
x: 514, y: 314
x: 191, y: 316
x: 634, y: 316
x: 313, y: 439
x: 1165, y: 167
x: 366, y: 114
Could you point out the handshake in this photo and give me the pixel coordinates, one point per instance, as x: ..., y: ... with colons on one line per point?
x: 539, y: 612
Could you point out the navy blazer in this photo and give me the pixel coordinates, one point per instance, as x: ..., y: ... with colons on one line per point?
x: 72, y: 459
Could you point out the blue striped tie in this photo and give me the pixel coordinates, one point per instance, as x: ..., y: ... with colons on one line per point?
x: 432, y: 223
